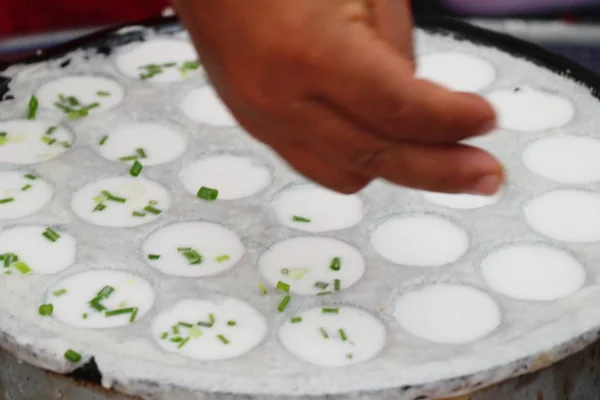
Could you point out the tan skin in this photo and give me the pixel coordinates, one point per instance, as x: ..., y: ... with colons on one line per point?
x: 329, y: 85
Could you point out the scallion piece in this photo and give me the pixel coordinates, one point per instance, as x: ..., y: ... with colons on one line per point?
x: 95, y: 304
x: 296, y: 218
x: 211, y: 318
x: 321, y: 285
x: 183, y: 342
x: 103, y: 140
x: 72, y: 355
x: 324, y: 333
x: 336, y: 264
x: 46, y: 310
x: 295, y: 320
x: 175, y: 330
x: 176, y: 339
x: 30, y: 177
x: 324, y: 293
x: 22, y: 267
x: 207, y: 193
x: 3, y: 134
x: 110, y: 197
x: 128, y: 158
x: 343, y: 335
x: 153, y: 256
x: 85, y: 315
x: 50, y: 130
x: 99, y: 207
x: 152, y: 210
x: 51, y: 235
x: 223, y: 339
x: 120, y: 311
x: 48, y: 140
x: 185, y: 324
x: 283, y: 287
x: 138, y: 214
x: 136, y: 169
x: 330, y: 310
x: 141, y: 152
x: 60, y: 292
x: 337, y: 285
x: 73, y: 101
x: 26, y: 187
x: 231, y: 323
x: 164, y: 335
x: 222, y: 258
x: 7, y: 200
x: 284, y: 303
x: 133, y: 315
x: 32, y: 107
x: 262, y: 288
x: 106, y: 292
x: 102, y: 93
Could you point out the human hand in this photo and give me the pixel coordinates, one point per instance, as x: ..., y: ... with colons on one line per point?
x: 329, y: 85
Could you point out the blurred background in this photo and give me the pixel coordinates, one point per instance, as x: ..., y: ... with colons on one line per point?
x: 569, y: 27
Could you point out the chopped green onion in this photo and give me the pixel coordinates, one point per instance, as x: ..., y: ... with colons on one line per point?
x: 141, y: 153
x: 72, y: 356
x: 48, y: 140
x: 330, y: 310
x: 78, y: 114
x: 152, y: 210
x: 211, y: 318
x: 343, y: 335
x: 22, y: 267
x: 193, y: 257
x: 51, y: 130
x: 84, y: 316
x: 110, y: 197
x: 102, y: 93
x: 30, y: 177
x: 185, y: 324
x: 180, y: 249
x: 223, y: 339
x: 7, y: 200
x: 9, y: 259
x: 60, y: 292
x: 183, y: 342
x: 175, y: 330
x: 296, y: 218
x: 164, y: 335
x: 99, y: 207
x: 231, y: 323
x: 324, y: 333
x: 262, y: 288
x: 106, y: 292
x: 46, y: 310
x: 337, y: 285
x: 103, y: 140
x: 153, y: 256
x: 283, y: 287
x: 64, y: 108
x: 32, y: 107
x: 138, y: 214
x: 204, y: 324
x: 189, y: 65
x: 208, y: 193
x: 73, y: 101
x: 284, y: 303
x: 321, y: 285
x: 120, y: 311
x: 349, y: 356
x: 195, y: 332
x: 336, y: 264
x: 51, y: 235
x: 3, y: 134
x: 295, y: 320
x: 26, y: 187
x: 96, y: 305
x: 324, y: 293
x: 135, y: 169
x: 176, y: 339
x: 222, y: 258
x: 133, y: 314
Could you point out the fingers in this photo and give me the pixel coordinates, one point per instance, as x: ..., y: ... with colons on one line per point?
x: 393, y: 23
x: 449, y: 168
x: 378, y: 90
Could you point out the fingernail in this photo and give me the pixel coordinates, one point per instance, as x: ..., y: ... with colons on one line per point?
x: 487, y: 185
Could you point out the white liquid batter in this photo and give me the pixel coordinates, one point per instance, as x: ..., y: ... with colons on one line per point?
x: 462, y: 201
x: 456, y: 71
x: 525, y: 109
x: 29, y: 142
x: 85, y: 89
x: 71, y: 299
x: 334, y: 339
x: 420, y: 241
x: 449, y: 314
x: 234, y: 177
x: 566, y: 215
x: 304, y: 262
x: 565, y: 159
x: 158, y: 143
x: 40, y: 254
x: 158, y: 52
x: 219, y: 248
x: 20, y: 196
x: 145, y: 201
x: 204, y: 106
x: 533, y: 272
x: 326, y: 210
x: 235, y: 329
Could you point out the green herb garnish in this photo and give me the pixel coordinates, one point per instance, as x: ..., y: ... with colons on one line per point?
x: 207, y: 193
x: 7, y: 200
x: 46, y: 310
x: 284, y: 303
x: 296, y: 218
x: 283, y: 287
x: 32, y: 107
x: 72, y: 355
x: 223, y: 339
x: 153, y: 256
x: 321, y: 285
x: 135, y: 169
x: 330, y: 310
x: 295, y: 320
x: 336, y: 264
x: 51, y: 235
x: 103, y: 140
x: 60, y: 292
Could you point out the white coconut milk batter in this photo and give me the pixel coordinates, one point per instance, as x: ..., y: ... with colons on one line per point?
x: 193, y: 249
x: 86, y: 89
x: 22, y: 194
x: 333, y: 336
x: 234, y: 177
x: 533, y: 272
x: 29, y: 142
x: 311, y: 265
x: 210, y: 330
x: 77, y: 302
x: 566, y: 215
x: 132, y: 202
x: 462, y: 201
x: 39, y: 253
x: 150, y: 143
x: 160, y: 52
x: 420, y: 241
x: 450, y: 314
x: 456, y: 71
x: 565, y: 159
x: 314, y: 209
x: 526, y: 109
x: 203, y: 105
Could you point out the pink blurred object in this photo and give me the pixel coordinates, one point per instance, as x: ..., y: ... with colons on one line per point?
x: 503, y: 7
